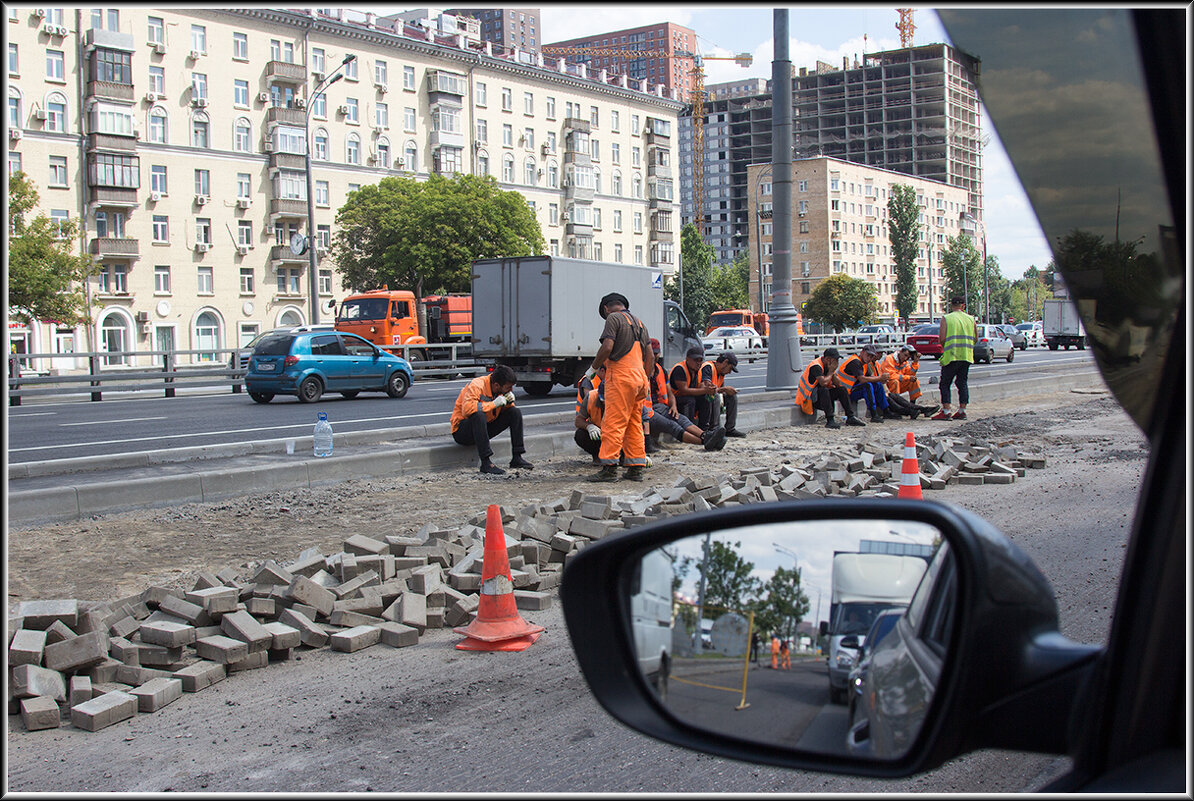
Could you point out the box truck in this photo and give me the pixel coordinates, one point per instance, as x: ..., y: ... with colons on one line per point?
x: 1062, y: 326
x: 651, y: 617
x: 539, y: 316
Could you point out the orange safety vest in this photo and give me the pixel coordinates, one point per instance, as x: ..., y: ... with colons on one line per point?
x: 804, y: 391
x: 889, y: 364
x: 694, y: 381
x: 847, y: 379
x: 583, y: 388
x: 718, y: 379
x: 593, y: 409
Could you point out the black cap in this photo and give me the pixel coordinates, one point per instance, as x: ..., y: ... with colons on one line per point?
x: 871, y: 349
x: 612, y: 297
x: 732, y: 359
x: 695, y: 352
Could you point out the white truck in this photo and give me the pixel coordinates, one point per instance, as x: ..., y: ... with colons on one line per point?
x: 539, y: 316
x: 651, y: 618
x: 863, y: 585
x: 1062, y: 326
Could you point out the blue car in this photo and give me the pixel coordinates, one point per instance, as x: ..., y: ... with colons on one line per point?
x: 309, y: 363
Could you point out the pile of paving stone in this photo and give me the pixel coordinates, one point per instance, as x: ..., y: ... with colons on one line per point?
x: 96, y: 663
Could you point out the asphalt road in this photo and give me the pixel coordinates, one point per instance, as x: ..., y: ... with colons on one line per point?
x: 132, y: 422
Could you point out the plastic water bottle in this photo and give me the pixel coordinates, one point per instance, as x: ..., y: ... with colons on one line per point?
x: 323, y: 436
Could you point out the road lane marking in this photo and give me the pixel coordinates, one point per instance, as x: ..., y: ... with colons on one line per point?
x: 121, y: 420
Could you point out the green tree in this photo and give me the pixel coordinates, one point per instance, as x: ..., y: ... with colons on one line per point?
x: 728, y: 582
x: 903, y: 232
x: 46, y: 273
x: 783, y: 603
x: 692, y: 288
x: 841, y: 302
x: 424, y: 235
x: 731, y: 284
x: 963, y: 266
x: 999, y: 292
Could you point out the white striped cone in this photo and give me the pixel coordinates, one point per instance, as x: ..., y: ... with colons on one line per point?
x: 910, y: 471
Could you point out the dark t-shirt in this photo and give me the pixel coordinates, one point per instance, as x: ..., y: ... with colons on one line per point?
x: 815, y: 371
x: 855, y: 368
x: 625, y: 330
x: 680, y: 378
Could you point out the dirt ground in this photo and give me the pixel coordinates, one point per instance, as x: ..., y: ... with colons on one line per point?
x: 433, y: 719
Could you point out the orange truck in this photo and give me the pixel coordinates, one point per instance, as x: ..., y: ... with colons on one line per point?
x: 759, y: 321
x: 388, y: 317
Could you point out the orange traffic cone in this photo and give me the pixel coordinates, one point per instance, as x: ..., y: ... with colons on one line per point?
x: 498, y: 625
x: 910, y: 472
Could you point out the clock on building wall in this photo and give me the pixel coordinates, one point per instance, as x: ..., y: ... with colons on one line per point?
x: 298, y: 244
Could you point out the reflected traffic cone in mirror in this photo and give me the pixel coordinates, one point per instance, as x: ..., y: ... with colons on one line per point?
x: 498, y: 625
x: 910, y: 471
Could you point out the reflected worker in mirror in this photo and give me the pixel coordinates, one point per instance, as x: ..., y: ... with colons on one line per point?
x: 774, y: 651
x: 785, y: 655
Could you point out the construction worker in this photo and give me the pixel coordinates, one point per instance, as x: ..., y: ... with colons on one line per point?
x: 715, y: 373
x: 901, y: 367
x: 626, y: 352
x: 774, y: 651
x: 666, y: 419
x: 484, y: 409
x: 957, y: 334
x: 692, y: 395
x: 754, y: 647
x: 861, y: 379
x: 818, y: 389
x: 588, y: 423
x: 785, y: 655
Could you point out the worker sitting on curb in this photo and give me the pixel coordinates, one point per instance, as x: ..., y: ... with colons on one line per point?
x: 819, y: 388
x: 692, y: 395
x: 901, y: 368
x: 484, y: 409
x: 715, y: 372
x: 666, y: 419
x: 858, y: 375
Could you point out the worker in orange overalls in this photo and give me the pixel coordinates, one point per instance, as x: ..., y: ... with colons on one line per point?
x: 785, y: 655
x: 774, y: 652
x: 901, y: 368
x: 626, y: 353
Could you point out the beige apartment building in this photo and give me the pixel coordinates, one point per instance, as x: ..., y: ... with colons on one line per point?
x: 839, y: 225
x: 178, y: 137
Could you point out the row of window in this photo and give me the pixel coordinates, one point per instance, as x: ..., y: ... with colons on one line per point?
x: 662, y: 253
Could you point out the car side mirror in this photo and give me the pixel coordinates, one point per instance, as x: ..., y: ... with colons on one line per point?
x: 976, y: 650
x: 849, y: 641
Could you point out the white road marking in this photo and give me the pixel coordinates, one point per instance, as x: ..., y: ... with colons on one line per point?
x: 121, y: 420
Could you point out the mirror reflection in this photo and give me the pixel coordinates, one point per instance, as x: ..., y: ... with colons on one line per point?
x: 827, y: 636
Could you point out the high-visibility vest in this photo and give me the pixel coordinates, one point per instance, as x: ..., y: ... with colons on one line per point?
x: 847, y: 379
x: 959, y: 338
x: 718, y: 379
x: 891, y: 365
x: 804, y: 391
x: 582, y: 391
x: 593, y: 411
x: 693, y: 381
x: 659, y: 386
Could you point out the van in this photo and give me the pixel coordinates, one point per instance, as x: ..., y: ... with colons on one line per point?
x: 651, y: 617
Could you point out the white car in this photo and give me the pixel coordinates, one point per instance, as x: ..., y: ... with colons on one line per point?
x: 991, y: 344
x: 1034, y: 332
x: 745, y: 343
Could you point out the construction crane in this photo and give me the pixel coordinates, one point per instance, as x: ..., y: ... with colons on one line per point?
x: 696, y: 96
x: 905, y: 26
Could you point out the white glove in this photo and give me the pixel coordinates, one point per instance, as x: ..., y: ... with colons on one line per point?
x: 594, y: 432
x: 500, y: 401
x: 509, y: 396
x: 592, y: 371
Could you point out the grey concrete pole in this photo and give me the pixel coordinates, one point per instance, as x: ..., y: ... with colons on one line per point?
x: 784, y: 360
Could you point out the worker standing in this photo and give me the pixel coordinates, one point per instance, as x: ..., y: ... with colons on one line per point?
x: 626, y: 353
x: 785, y: 655
x: 957, y: 334
x: 754, y: 647
x: 774, y: 652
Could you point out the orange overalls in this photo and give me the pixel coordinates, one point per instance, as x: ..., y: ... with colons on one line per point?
x: 903, y: 379
x: 774, y: 652
x: 625, y: 390
x: 785, y: 655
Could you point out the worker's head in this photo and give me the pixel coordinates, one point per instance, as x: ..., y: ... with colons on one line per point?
x: 694, y: 357
x: 830, y: 359
x: 726, y: 363
x: 501, y: 380
x: 957, y: 302
x: 656, y: 347
x: 868, y: 354
x: 614, y: 301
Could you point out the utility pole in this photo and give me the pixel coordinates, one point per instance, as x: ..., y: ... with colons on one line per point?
x: 785, y: 363
x: 696, y: 637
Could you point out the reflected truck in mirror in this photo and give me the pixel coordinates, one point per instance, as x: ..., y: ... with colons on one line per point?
x: 651, y: 617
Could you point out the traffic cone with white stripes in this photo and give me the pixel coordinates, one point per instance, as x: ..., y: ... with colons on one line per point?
x: 910, y: 471
x: 498, y: 625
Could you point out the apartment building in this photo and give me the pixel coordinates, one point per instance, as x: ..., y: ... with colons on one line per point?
x: 839, y: 225
x: 913, y: 110
x: 665, y: 41
x: 178, y: 138
x: 507, y: 27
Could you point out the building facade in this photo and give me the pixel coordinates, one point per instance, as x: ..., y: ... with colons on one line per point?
x: 670, y: 68
x: 178, y: 138
x: 507, y: 27
x: 839, y: 225
x: 913, y: 110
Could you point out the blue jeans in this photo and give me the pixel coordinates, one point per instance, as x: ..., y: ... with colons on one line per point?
x: 874, y: 393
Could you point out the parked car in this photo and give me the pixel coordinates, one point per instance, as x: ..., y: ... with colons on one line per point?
x: 925, y: 338
x: 875, y: 334
x: 240, y: 359
x: 856, y: 682
x: 309, y: 363
x: 745, y: 343
x: 990, y: 343
x: 1018, y: 338
x: 1034, y: 332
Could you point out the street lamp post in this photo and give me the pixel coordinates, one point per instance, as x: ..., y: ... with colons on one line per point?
x: 312, y: 284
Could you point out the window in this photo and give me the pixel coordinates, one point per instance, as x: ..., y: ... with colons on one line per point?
x: 636, y: 186
x: 595, y: 149
x: 507, y: 100
x: 553, y: 175
x: 240, y: 46
x: 112, y: 66
x: 380, y: 72
x: 113, y: 279
x: 446, y: 119
x: 206, y: 284
x: 199, y: 38
x: 508, y: 168
x: 202, y: 182
x: 551, y: 141
x: 242, y: 136
x: 508, y: 135
x: 321, y: 145
x: 244, y: 233
x: 593, y: 116
x: 638, y: 254
x: 617, y: 221
x: 383, y: 153
x: 13, y: 61
x: 615, y: 153
x: 55, y: 65
x: 482, y: 94
x: 482, y: 132
x: 14, y: 162
x: 408, y: 79
x: 618, y: 253
x: 325, y: 283
x: 290, y: 185
x: 107, y: 225
x: 317, y: 60
x: 408, y: 119
x: 482, y: 163
x: 804, y: 226
x: 616, y: 183
x: 529, y: 172
x: 240, y: 93
x: 106, y: 169
x: 155, y: 32
x: 410, y: 156
x: 289, y: 281
x: 350, y: 69
x: 161, y: 279
x: 198, y: 85
x: 58, y: 171
x: 634, y: 124
x: 14, y: 110
x: 802, y: 186
x: 289, y: 139
x: 596, y: 218
x: 528, y: 103
x: 614, y: 124
x: 636, y: 157
x: 246, y: 281
x: 352, y: 149
x: 528, y: 138
x: 553, y: 214
x: 638, y: 222
x: 319, y: 106
x: 322, y: 195
x: 203, y: 230
x: 114, y: 334
x: 56, y: 113
x: 551, y: 108
x: 353, y: 107
x: 157, y: 178
x: 555, y: 247
x: 381, y: 115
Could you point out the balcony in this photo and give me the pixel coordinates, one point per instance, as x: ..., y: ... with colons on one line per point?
x: 112, y: 40
x: 100, y: 141
x: 284, y: 115
x: 287, y: 208
x: 572, y: 192
x: 659, y: 171
x: 657, y: 139
x: 285, y: 72
x: 107, y: 90
x: 578, y: 158
x: 663, y: 204
x: 282, y: 255
x: 447, y: 139
x: 115, y: 247
x: 286, y: 161
x: 115, y: 197
x: 577, y: 124
x: 579, y: 230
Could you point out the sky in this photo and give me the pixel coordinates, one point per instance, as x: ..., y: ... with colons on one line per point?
x: 825, y: 33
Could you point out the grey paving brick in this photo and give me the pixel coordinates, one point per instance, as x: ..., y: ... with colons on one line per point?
x: 310, y: 634
x: 221, y: 649
x: 191, y: 613
x: 215, y: 601
x: 262, y: 607
x: 157, y: 693
x: 410, y: 609
x: 252, y: 661
x: 353, y: 586
x: 352, y: 619
x: 199, y: 675
x: 170, y: 635
x: 354, y: 639
x: 425, y: 579
x: 40, y: 713
x: 159, y: 656
x: 80, y: 690
x: 59, y: 631
x: 80, y: 652
x: 135, y: 676
x: 284, y: 636
x: 40, y: 614
x: 528, y: 599
x: 243, y: 626
x: 361, y: 545
x: 27, y: 648
x: 272, y: 573
x: 306, y: 591
x: 397, y: 635
x: 104, y: 671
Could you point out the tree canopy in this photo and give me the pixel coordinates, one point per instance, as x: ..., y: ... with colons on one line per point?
x: 692, y: 287
x: 841, y: 302
x: 425, y: 235
x: 783, y: 603
x: 903, y: 231
x: 45, y: 271
x: 731, y: 284
x: 728, y: 583
x: 963, y: 266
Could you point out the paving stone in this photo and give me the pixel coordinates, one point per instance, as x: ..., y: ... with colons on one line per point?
x: 425, y: 579
x: 306, y: 591
x: 40, y: 615
x: 191, y: 613
x: 527, y: 599
x: 368, y: 605
x: 398, y: 544
x: 57, y: 632
x: 351, y: 619
x: 215, y: 601
x: 309, y: 633
x: 222, y: 649
x: 354, y: 639
x: 999, y: 478
x: 284, y: 637
x: 353, y: 586
x: 27, y: 647
x: 40, y: 713
x: 397, y: 635
x: 435, y: 618
x: 461, y: 610
x: 968, y: 478
x: 272, y: 573
x: 170, y: 635
x: 80, y: 652
x: 564, y: 543
x: 361, y: 545
x: 135, y: 676
x: 80, y: 690
x: 108, y: 687
x: 104, y: 671
x: 410, y: 609
x: 157, y: 693
x: 200, y: 675
x: 243, y: 626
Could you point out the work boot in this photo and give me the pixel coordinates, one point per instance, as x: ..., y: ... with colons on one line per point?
x: 492, y: 469
x: 831, y: 423
x: 876, y: 417
x: 928, y: 410
x: 915, y: 413
x: 520, y: 463
x: 607, y: 473
x: 733, y: 432
x: 649, y: 445
x: 891, y: 414
x: 634, y: 473
x: 854, y: 421
x: 714, y: 439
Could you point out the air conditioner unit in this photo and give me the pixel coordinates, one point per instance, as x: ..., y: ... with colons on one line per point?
x: 343, y: 109
x: 199, y: 102
x: 146, y: 328
x: 40, y: 114
x: 242, y: 250
x: 63, y: 30
x: 399, y: 161
x: 263, y: 97
x: 300, y: 102
x: 377, y: 129
x: 39, y: 13
x: 268, y: 147
x: 373, y: 157
x: 159, y: 48
x: 202, y: 247
x: 194, y: 54
x: 151, y: 97
x: 317, y: 75
x: 142, y: 317
x: 50, y: 29
x: 15, y: 133
x: 382, y: 87
x: 544, y: 149
x: 155, y: 196
x: 243, y: 202
x: 202, y: 199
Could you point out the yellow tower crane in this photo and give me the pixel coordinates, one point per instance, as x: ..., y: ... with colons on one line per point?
x: 905, y: 26
x: 696, y: 96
